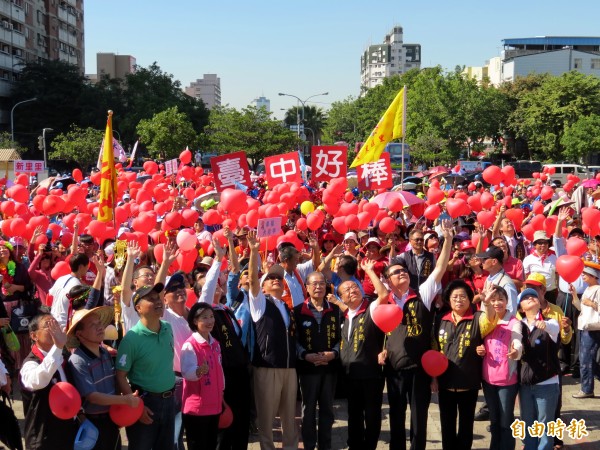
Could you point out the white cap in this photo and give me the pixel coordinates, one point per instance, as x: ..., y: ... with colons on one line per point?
x: 351, y: 235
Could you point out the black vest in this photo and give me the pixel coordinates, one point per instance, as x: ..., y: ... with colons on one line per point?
x: 359, y: 353
x: 43, y: 430
x: 315, y: 338
x: 418, y: 276
x: 233, y: 353
x: 540, y: 356
x: 407, y: 343
x: 459, y: 343
x: 275, y: 344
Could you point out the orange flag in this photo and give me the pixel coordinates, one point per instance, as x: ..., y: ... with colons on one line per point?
x: 108, y: 176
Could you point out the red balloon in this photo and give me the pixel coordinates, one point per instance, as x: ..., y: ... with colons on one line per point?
x: 432, y: 212
x: 18, y: 193
x: 547, y: 193
x: 434, y: 363
x: 125, y: 415
x: 591, y: 218
x: 576, y: 246
x: 387, y: 225
x: 569, y: 267
x: 64, y: 400
x: 185, y: 157
x: 226, y: 417
x: 508, y: 173
x: 435, y: 195
x: 516, y: 216
x: 493, y: 175
x: 457, y: 207
x: 474, y: 202
x: 77, y: 175
x: 352, y: 222
x: 550, y: 225
x: 538, y: 207
x: 61, y: 268
x: 486, y: 218
x: 339, y: 225
x: 314, y: 221
x: 487, y: 200
x: 97, y: 229
x: 387, y: 317
x: 212, y: 217
x: 173, y: 220
x: 150, y: 167
x: 528, y: 231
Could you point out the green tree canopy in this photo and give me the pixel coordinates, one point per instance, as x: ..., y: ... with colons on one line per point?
x: 167, y: 133
x: 314, y: 118
x: 251, y: 129
x: 79, y: 145
x: 582, y: 138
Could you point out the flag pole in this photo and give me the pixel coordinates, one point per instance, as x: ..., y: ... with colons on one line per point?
x: 403, y: 135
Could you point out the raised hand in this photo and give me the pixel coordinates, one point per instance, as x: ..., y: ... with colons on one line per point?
x: 447, y: 229
x: 563, y: 213
x: 313, y: 242
x: 133, y: 250
x: 219, y: 250
x: 59, y: 337
x: 227, y: 233
x: 170, y: 252
x: 367, y: 264
x: 253, y: 241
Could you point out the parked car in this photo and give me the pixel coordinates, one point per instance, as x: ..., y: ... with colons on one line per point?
x: 562, y: 171
x: 526, y: 168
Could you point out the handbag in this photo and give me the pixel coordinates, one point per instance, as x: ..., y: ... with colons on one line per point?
x: 589, y: 316
x: 22, y: 315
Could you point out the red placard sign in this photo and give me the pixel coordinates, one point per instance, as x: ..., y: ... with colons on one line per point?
x: 328, y: 162
x: 375, y: 175
x: 282, y: 169
x: 229, y: 170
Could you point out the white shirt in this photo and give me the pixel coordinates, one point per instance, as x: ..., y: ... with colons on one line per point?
x: 534, y: 264
x: 36, y: 376
x: 258, y: 305
x: 129, y: 315
x: 60, y: 302
x: 3, y: 373
x: 181, y: 332
x: 296, y: 291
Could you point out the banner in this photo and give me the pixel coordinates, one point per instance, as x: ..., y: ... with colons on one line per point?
x: 282, y: 169
x: 375, y: 175
x: 231, y: 171
x: 328, y: 162
x: 108, y: 176
x: 268, y: 227
x: 30, y: 166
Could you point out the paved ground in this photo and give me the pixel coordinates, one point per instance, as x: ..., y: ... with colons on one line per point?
x: 587, y: 409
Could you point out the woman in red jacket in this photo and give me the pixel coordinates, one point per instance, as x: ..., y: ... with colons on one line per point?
x: 203, y: 380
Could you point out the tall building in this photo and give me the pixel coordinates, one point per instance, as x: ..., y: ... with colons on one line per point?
x: 33, y: 30
x: 208, y: 89
x: 262, y: 102
x: 115, y: 66
x: 393, y: 57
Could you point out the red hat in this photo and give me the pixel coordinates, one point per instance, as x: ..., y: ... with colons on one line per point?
x: 465, y: 245
x: 328, y: 237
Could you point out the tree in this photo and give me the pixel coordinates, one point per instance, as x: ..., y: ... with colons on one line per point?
x: 543, y: 114
x: 431, y: 150
x: 79, y: 145
x: 582, y: 138
x: 342, y: 122
x: 314, y: 118
x: 252, y: 130
x: 167, y: 133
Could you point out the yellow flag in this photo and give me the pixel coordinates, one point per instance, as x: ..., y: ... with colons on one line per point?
x: 390, y: 126
x: 108, y: 176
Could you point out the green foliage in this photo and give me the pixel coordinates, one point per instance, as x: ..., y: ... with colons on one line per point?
x: 582, y: 138
x: 314, y: 118
x: 79, y: 145
x: 167, y: 133
x: 545, y: 113
x: 432, y: 150
x: 251, y: 129
x: 7, y: 142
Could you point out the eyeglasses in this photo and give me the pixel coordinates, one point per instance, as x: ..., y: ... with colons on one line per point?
x: 354, y: 287
x: 145, y: 275
x: 274, y: 277
x: 417, y: 239
x: 317, y: 283
x: 397, y: 272
x: 84, y: 244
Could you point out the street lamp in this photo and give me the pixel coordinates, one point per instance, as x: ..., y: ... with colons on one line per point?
x: 12, y: 128
x: 303, y: 105
x: 44, y: 141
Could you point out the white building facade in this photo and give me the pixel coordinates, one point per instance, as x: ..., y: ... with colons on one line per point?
x: 262, y: 102
x: 392, y: 57
x: 208, y: 89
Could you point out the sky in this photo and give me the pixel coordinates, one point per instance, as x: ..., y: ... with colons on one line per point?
x: 263, y: 47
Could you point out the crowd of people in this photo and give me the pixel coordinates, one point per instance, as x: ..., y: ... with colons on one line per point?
x: 256, y: 323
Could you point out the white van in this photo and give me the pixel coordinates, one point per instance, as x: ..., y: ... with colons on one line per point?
x: 563, y: 171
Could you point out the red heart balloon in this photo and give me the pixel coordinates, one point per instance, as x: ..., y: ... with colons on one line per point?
x: 387, y: 317
x: 576, y: 246
x: 569, y: 267
x: 434, y: 363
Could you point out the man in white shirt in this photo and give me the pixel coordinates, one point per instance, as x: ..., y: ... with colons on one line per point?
x: 60, y: 304
x: 541, y: 261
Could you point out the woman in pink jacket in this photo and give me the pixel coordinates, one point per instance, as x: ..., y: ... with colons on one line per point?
x: 203, y: 380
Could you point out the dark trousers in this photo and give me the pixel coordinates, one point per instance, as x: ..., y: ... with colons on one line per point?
x: 408, y: 387
x: 159, y: 435
x: 364, y: 413
x: 568, y: 354
x: 317, y: 389
x: 201, y: 431
x: 109, y: 437
x: 461, y: 406
x: 501, y: 403
x: 237, y: 396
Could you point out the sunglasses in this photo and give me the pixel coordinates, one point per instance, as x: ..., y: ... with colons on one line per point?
x: 397, y: 272
x: 274, y: 277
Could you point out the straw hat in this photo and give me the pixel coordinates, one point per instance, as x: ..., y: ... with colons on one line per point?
x: 106, y: 314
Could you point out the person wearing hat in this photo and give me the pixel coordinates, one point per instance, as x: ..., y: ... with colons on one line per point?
x: 539, y: 391
x: 493, y: 259
x: 407, y: 382
x: 588, y: 325
x: 275, y: 379
x: 145, y: 364
x: 42, y: 368
x: 372, y: 253
x: 87, y: 245
x: 351, y: 244
x: 504, y: 227
x: 242, y: 248
x: 201, y: 233
x: 78, y: 264
x: 234, y: 355
x: 420, y: 262
x: 295, y: 273
x: 542, y: 261
x: 93, y: 373
x: 363, y: 237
